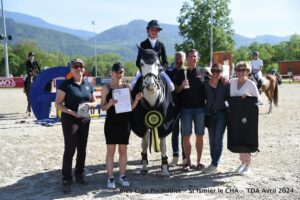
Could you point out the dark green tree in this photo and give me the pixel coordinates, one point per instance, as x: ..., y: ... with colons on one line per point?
x: 195, y: 25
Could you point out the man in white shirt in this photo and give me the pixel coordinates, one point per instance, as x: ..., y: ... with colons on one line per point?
x: 257, y: 65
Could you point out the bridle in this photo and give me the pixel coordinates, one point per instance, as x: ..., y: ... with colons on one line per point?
x: 159, y: 87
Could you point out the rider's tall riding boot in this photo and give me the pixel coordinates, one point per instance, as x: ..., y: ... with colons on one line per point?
x: 259, y: 85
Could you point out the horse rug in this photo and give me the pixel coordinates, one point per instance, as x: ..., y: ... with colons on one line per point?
x: 242, y: 126
x: 166, y: 108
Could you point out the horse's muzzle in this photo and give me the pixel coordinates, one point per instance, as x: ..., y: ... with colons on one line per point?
x: 151, y: 86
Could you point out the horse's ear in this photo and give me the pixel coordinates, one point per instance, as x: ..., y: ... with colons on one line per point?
x: 140, y: 48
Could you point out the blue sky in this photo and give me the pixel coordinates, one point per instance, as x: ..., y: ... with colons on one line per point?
x: 251, y: 17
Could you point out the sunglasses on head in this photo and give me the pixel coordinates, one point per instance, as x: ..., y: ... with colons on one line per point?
x: 241, y: 70
x: 78, y: 66
x: 215, y: 71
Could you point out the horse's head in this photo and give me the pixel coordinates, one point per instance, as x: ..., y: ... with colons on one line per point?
x: 152, y: 85
x: 149, y: 69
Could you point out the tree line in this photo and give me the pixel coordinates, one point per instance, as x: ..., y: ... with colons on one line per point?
x: 270, y: 54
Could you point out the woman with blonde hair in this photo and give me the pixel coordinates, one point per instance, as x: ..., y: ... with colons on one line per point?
x: 243, y: 86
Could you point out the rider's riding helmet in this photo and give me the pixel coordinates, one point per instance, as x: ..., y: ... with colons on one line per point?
x: 153, y: 24
x: 255, y: 53
x: 30, y: 53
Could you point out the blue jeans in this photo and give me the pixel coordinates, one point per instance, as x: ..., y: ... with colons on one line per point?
x: 216, y: 135
x: 175, y: 140
x: 190, y: 115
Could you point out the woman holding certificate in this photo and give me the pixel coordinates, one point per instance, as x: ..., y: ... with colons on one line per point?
x: 78, y: 96
x: 116, y: 101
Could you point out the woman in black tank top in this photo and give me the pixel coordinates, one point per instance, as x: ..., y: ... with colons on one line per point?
x: 117, y: 126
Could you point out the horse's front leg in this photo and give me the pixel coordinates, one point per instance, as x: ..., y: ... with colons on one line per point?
x: 145, y: 144
x: 164, y: 157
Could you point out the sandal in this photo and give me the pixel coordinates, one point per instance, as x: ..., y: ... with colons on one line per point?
x: 188, y: 167
x: 200, y: 167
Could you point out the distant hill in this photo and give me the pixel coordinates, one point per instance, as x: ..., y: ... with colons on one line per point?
x: 128, y: 36
x: 245, y: 41
x: 120, y: 39
x: 47, y: 40
x: 35, y: 21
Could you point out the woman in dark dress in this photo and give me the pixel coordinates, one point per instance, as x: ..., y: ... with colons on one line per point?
x: 117, y: 126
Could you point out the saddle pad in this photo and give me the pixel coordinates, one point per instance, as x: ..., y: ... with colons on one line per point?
x: 242, y: 126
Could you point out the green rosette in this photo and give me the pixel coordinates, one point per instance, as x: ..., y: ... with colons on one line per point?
x: 153, y: 120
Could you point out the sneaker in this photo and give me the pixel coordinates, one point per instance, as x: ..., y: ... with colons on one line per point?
x: 111, y: 183
x: 174, y: 162
x: 210, y: 169
x: 240, y: 169
x: 246, y: 171
x: 123, y: 181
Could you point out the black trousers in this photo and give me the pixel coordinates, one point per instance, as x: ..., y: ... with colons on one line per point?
x: 75, y: 137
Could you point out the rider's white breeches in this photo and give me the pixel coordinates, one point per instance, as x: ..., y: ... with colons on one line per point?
x: 170, y: 83
x: 258, y: 74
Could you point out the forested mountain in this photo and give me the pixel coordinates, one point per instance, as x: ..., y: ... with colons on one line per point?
x: 46, y: 39
x: 35, y: 21
x: 119, y: 40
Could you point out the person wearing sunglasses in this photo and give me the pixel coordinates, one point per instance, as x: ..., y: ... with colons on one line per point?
x: 117, y: 126
x: 70, y: 95
x: 242, y: 86
x: 216, y: 92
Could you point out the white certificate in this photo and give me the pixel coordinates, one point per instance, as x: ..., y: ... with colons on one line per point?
x: 83, y: 110
x: 124, y: 100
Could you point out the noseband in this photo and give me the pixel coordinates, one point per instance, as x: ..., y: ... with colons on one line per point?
x: 160, y: 89
x: 156, y: 80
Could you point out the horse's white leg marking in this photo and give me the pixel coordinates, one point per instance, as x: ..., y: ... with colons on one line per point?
x: 145, y: 144
x: 164, y: 158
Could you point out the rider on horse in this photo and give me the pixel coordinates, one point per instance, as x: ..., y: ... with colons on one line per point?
x: 32, y: 66
x: 153, y: 28
x: 257, y: 65
x: 32, y: 69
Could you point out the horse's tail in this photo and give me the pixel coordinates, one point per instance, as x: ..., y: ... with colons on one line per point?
x: 275, y: 96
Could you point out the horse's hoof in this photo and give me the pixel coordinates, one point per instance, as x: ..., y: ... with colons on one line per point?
x: 144, y: 171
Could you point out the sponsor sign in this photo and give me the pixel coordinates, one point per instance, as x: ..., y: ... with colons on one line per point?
x: 11, y: 82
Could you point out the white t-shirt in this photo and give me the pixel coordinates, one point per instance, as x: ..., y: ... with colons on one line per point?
x: 249, y: 87
x: 257, y: 64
